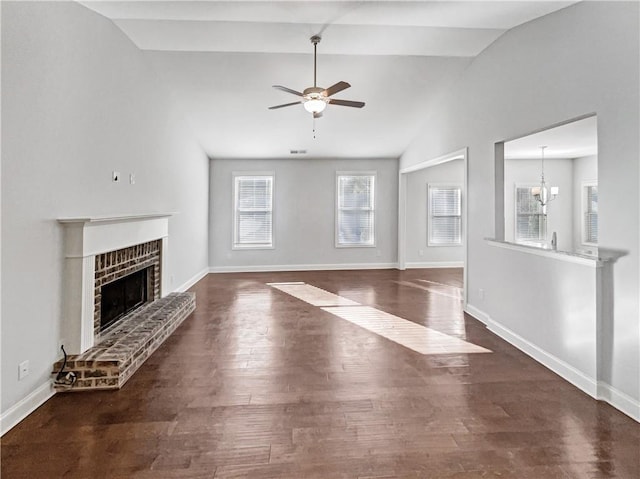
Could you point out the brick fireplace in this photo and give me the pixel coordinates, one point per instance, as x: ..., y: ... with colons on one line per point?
x: 98, y: 251
x: 116, y: 267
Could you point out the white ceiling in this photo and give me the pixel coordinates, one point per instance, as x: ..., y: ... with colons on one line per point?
x: 572, y: 140
x: 222, y: 58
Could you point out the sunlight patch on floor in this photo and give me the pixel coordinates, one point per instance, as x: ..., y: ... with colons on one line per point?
x: 439, y: 284
x: 312, y: 295
x: 454, y: 293
x: 402, y: 331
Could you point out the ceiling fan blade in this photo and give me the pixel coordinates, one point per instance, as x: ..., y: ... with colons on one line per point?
x: 288, y: 90
x: 332, y: 90
x: 286, y: 104
x: 317, y: 115
x: 354, y: 104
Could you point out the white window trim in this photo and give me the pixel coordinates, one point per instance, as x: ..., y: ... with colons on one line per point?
x: 538, y: 242
x: 583, y: 210
x: 444, y: 185
x: 234, y: 244
x: 375, y: 208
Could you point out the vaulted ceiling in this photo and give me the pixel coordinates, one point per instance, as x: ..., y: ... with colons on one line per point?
x: 222, y: 58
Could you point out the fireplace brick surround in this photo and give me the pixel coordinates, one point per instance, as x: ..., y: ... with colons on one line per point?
x: 120, y: 263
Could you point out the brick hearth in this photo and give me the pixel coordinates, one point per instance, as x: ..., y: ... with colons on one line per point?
x: 109, y: 364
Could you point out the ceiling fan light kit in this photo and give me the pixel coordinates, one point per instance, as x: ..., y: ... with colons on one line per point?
x: 315, y: 99
x: 315, y: 105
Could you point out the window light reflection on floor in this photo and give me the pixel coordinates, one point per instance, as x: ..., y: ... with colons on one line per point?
x: 312, y: 295
x: 404, y: 332
x: 452, y: 293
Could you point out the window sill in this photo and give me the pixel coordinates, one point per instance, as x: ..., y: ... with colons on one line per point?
x: 251, y: 248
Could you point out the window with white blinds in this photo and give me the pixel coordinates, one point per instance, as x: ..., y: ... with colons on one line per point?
x: 530, y: 220
x: 355, y: 205
x: 444, y: 217
x: 253, y: 211
x: 590, y: 210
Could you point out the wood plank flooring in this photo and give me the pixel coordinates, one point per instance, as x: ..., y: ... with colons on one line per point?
x: 259, y: 384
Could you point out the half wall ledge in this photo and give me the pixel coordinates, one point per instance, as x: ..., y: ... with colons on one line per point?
x: 566, y: 256
x: 605, y: 255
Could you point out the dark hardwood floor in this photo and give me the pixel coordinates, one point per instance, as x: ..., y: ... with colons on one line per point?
x: 259, y: 384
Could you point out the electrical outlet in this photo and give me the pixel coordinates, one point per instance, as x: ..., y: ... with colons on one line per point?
x: 61, y: 342
x: 23, y: 370
x: 421, y: 252
x: 132, y: 179
x: 481, y: 294
x: 115, y: 176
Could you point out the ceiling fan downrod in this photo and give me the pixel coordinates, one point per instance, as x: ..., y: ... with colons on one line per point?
x: 315, y: 40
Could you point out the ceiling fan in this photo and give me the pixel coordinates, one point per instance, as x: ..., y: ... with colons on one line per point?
x: 315, y: 98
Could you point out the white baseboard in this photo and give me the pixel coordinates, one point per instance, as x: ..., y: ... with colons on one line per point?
x: 596, y: 389
x: 299, y: 267
x: 26, y: 406
x: 557, y: 365
x: 619, y: 400
x: 435, y: 264
x: 197, y: 277
x: 476, y: 313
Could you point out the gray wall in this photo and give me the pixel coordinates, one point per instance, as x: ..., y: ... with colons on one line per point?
x: 78, y: 101
x: 583, y: 59
x: 451, y: 172
x: 304, y: 215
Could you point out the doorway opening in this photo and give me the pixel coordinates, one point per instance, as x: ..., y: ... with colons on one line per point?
x: 432, y: 216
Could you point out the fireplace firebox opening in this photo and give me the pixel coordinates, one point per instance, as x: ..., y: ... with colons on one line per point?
x: 123, y: 296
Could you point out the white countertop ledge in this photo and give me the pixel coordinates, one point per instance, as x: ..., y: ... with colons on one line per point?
x: 566, y: 256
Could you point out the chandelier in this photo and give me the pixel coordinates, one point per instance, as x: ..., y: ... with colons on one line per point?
x: 544, y: 194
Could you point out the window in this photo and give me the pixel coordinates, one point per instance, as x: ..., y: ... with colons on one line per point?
x: 355, y: 216
x: 530, y: 218
x: 444, y: 218
x: 590, y: 213
x: 253, y: 211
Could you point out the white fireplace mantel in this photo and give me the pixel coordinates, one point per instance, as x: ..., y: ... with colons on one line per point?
x: 86, y: 237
